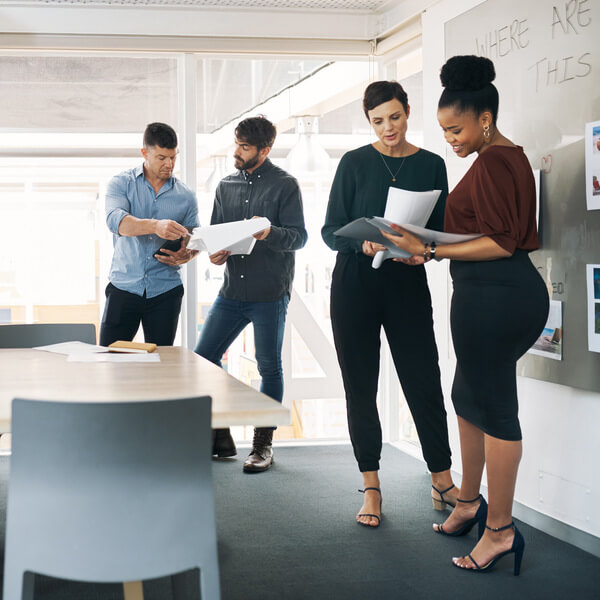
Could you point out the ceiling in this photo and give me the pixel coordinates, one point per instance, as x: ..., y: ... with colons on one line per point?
x: 342, y: 5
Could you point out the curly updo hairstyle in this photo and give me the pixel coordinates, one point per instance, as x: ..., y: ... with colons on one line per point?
x: 467, y: 82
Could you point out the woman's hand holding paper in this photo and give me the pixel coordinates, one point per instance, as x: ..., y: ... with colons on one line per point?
x: 408, y: 242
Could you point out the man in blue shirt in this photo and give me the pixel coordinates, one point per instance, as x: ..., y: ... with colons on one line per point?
x: 145, y: 207
x: 257, y: 286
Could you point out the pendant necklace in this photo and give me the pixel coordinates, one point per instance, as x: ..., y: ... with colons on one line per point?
x: 388, y: 168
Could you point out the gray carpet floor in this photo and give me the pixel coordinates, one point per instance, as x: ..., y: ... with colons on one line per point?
x: 289, y: 534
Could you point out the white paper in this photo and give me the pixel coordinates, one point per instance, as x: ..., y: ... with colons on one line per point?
x: 403, y: 206
x: 426, y: 235
x: 114, y: 357
x: 549, y: 344
x: 83, y: 349
x: 593, y: 295
x: 236, y: 237
x: 78, y: 348
x: 592, y: 165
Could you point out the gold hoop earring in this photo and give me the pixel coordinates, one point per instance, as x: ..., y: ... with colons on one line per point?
x: 486, y: 133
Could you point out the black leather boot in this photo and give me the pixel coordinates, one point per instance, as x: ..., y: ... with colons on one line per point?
x: 261, y: 457
x: 223, y: 445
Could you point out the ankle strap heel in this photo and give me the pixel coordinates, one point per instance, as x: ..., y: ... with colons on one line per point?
x: 441, y: 503
x: 480, y: 497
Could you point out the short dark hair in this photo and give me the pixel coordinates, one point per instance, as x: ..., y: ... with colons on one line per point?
x: 160, y: 134
x: 467, y: 82
x: 379, y: 92
x: 256, y: 131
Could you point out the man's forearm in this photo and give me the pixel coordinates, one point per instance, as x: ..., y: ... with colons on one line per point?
x: 132, y: 226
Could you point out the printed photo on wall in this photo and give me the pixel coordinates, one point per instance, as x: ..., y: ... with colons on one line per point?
x: 592, y: 165
x: 593, y: 296
x: 549, y: 344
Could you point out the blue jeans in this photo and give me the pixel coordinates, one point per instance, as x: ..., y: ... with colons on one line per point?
x: 226, y: 320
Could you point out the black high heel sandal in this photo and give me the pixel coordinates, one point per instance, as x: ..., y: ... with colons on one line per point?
x: 479, y: 518
x: 378, y: 517
x: 441, y: 503
x: 517, y: 548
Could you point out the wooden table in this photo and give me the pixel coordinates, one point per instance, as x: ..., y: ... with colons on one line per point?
x: 39, y: 375
x: 181, y: 373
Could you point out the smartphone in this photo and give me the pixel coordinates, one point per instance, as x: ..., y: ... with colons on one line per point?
x: 172, y: 245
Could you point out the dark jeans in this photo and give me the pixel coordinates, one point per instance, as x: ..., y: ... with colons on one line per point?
x: 225, y: 321
x: 395, y: 297
x: 124, y: 311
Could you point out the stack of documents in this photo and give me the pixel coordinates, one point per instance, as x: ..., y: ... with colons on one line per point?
x: 235, y: 237
x: 410, y: 210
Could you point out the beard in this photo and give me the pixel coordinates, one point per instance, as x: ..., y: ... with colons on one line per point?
x: 245, y: 165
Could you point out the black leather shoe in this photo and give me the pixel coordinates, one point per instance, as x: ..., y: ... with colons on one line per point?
x: 261, y: 457
x: 223, y: 445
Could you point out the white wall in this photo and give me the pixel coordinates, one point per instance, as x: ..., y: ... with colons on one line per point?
x: 558, y: 475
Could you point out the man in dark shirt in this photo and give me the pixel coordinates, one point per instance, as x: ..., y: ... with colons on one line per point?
x: 257, y: 286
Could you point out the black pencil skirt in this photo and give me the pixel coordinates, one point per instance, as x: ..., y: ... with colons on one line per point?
x: 499, y: 308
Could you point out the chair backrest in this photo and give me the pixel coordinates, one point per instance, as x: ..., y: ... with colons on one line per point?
x: 42, y: 334
x: 110, y: 491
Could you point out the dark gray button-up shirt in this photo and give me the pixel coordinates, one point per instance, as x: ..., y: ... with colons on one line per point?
x: 267, y: 273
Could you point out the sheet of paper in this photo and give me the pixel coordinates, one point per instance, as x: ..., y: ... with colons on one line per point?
x: 235, y: 236
x: 426, y: 235
x: 593, y: 302
x: 404, y: 206
x: 114, y: 357
x: 78, y: 348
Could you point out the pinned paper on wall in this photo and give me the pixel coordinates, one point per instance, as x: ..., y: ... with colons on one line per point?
x: 549, y: 344
x: 592, y: 165
x: 593, y: 296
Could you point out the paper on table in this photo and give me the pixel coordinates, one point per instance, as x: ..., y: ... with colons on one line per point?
x: 72, y: 348
x: 83, y: 349
x: 114, y: 357
x: 236, y: 237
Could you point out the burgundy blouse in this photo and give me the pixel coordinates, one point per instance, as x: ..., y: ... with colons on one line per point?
x: 496, y: 197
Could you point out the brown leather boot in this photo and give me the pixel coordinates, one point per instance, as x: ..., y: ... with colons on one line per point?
x: 222, y: 443
x: 261, y: 456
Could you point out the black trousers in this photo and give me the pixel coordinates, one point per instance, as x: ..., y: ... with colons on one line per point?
x: 124, y: 311
x: 395, y: 297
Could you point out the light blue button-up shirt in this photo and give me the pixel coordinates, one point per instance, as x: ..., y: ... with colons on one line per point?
x: 134, y: 268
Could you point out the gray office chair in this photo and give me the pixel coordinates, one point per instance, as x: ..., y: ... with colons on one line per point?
x: 42, y: 334
x: 111, y: 492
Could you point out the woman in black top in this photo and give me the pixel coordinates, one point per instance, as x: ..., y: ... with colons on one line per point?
x: 395, y: 297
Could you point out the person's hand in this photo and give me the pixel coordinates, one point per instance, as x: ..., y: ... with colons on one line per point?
x: 372, y: 248
x: 261, y: 235
x: 170, y: 230
x: 220, y: 257
x: 406, y: 241
x: 413, y: 260
x: 176, y: 259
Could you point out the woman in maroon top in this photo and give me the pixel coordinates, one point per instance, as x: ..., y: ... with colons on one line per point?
x: 499, y: 305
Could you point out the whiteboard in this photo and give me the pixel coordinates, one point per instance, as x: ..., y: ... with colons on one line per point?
x: 547, y: 59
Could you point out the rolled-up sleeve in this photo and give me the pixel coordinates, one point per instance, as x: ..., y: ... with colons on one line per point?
x: 495, y: 202
x: 291, y: 233
x: 117, y: 204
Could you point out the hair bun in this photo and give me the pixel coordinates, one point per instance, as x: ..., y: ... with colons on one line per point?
x: 467, y: 73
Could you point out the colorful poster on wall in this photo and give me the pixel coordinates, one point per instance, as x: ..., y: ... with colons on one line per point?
x: 593, y: 294
x: 592, y: 165
x: 549, y: 344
